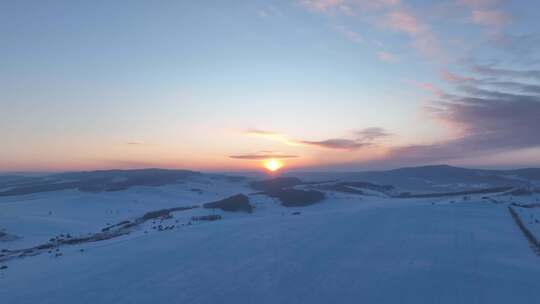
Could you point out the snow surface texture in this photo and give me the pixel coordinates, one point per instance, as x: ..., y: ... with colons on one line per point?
x: 531, y: 218
x: 346, y: 249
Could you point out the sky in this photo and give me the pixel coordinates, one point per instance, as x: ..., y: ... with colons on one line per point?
x: 224, y: 85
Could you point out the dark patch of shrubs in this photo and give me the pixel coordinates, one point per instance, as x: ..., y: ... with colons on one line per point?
x: 238, y: 202
x: 212, y: 217
x: 115, y: 225
x: 295, y: 197
x: 164, y: 212
x: 45, y: 246
x: 521, y: 192
x: 276, y: 183
x: 343, y: 188
x: 526, y: 205
x: 370, y: 186
x: 470, y: 192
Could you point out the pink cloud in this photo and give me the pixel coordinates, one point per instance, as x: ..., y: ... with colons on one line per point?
x: 348, y: 7
x: 387, y: 57
x: 423, y: 39
x: 350, y: 34
x: 390, y: 14
x: 496, y: 18
x: 486, y: 13
x: 453, y: 78
x: 405, y: 22
x: 431, y: 88
x: 322, y: 5
x: 478, y: 3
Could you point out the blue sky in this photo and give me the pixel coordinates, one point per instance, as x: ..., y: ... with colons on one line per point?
x: 189, y: 84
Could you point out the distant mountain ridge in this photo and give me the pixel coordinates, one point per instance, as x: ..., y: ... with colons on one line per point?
x: 439, y: 177
x: 93, y: 181
x: 424, y: 178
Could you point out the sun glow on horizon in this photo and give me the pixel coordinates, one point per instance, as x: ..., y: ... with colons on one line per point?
x: 273, y: 164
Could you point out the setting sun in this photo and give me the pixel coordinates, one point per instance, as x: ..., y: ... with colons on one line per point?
x: 273, y: 164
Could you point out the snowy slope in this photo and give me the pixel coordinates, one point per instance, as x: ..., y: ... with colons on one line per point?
x: 346, y: 249
x: 37, y: 217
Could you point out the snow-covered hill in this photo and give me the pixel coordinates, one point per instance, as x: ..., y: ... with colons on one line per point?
x: 370, y: 245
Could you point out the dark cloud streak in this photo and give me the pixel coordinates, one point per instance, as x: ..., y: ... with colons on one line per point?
x: 508, y: 73
x: 491, y: 119
x: 257, y: 156
x: 372, y: 133
x: 337, y: 143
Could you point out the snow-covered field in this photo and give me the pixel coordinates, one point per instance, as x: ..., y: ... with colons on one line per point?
x: 40, y: 216
x: 346, y: 249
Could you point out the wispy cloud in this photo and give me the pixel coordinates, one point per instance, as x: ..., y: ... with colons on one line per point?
x: 492, y: 18
x: 257, y: 132
x: 485, y: 70
x: 373, y: 133
x: 478, y: 3
x: 262, y: 155
x: 423, y: 38
x: 137, y: 143
x: 487, y: 13
x: 495, y: 114
x: 275, y: 136
x: 522, y: 48
x: 387, y: 57
x: 326, y: 6
x: 350, y: 34
x: 349, y: 7
x: 361, y: 138
x: 337, y: 143
x: 453, y: 78
x: 269, y: 11
x: 500, y: 79
x: 404, y: 21
x: 388, y: 14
